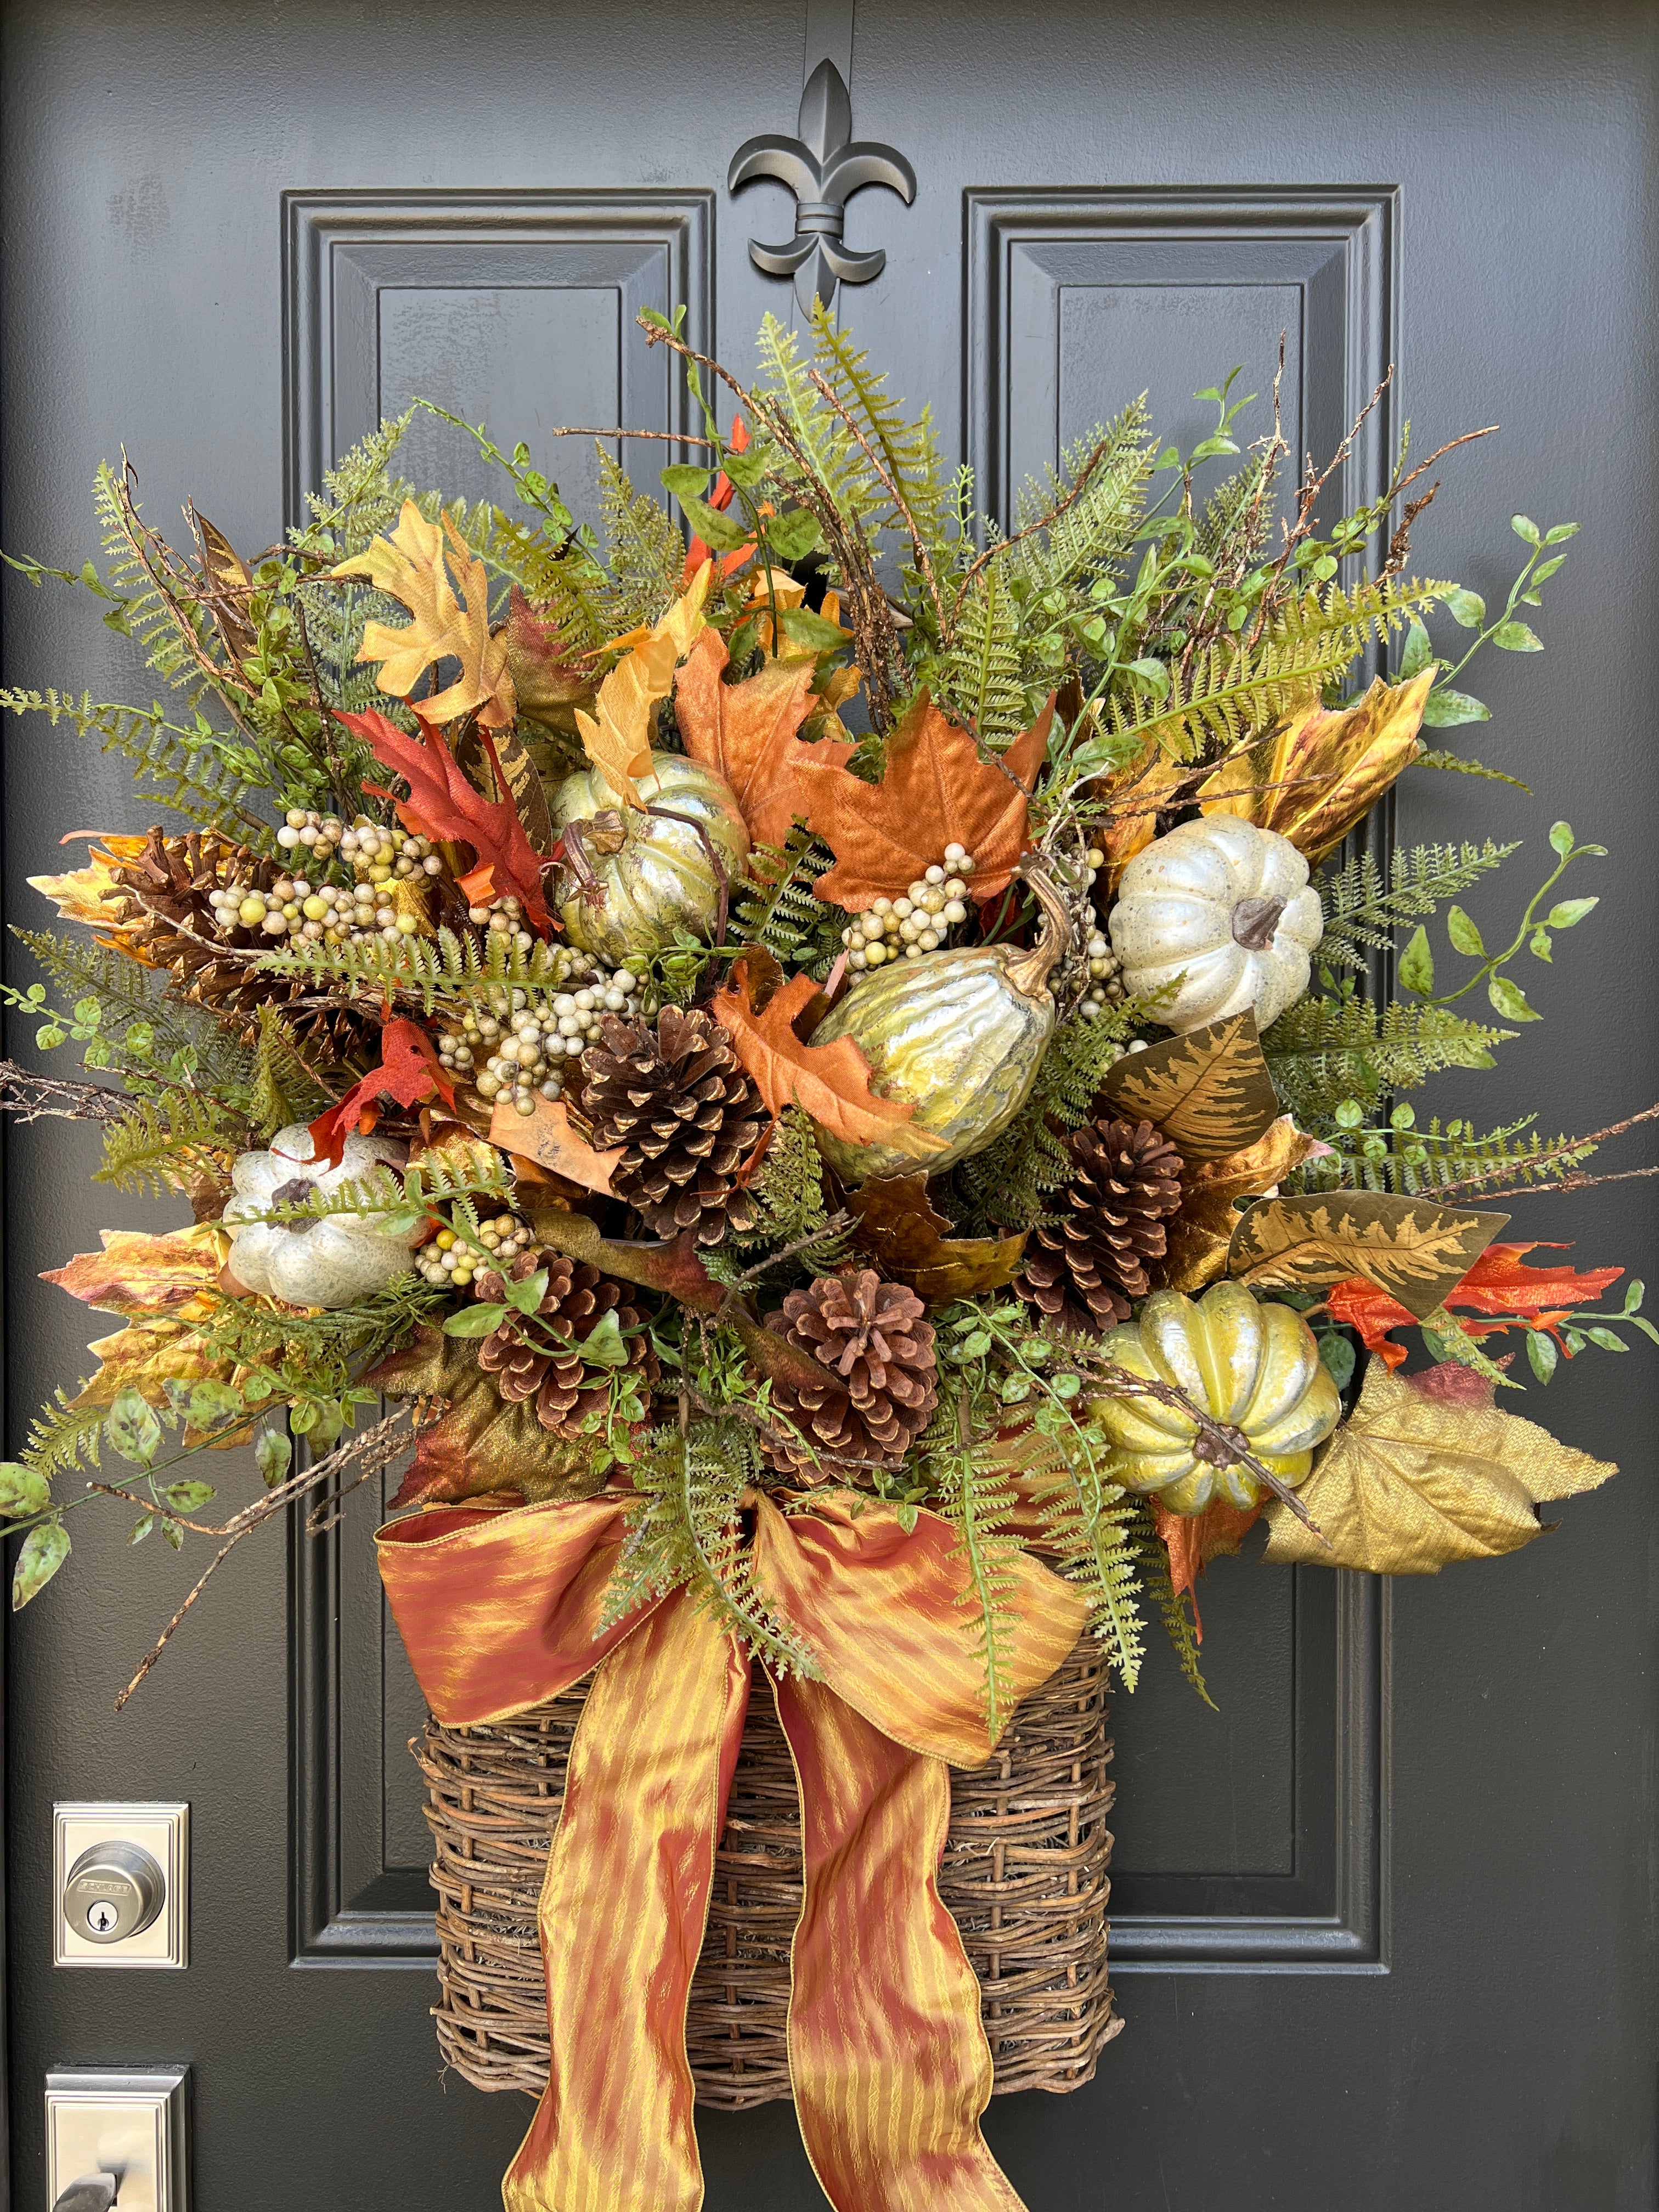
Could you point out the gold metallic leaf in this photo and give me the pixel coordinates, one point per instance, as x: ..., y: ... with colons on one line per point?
x: 910, y: 1242
x: 1201, y: 1233
x: 1209, y: 1091
x: 617, y: 735
x: 1128, y: 817
x: 1318, y: 774
x: 519, y: 771
x: 1411, y: 1482
x: 1414, y: 1249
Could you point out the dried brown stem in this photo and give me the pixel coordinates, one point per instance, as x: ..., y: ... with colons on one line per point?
x: 1045, y: 521
x: 30, y: 1097
x: 1502, y: 1168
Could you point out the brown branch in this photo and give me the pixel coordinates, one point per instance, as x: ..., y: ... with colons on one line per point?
x: 924, y: 559
x: 30, y: 1096
x: 1045, y: 521
x: 377, y: 1447
x: 1501, y: 1169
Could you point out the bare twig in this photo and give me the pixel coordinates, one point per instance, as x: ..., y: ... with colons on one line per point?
x: 1502, y: 1168
x: 372, y: 1451
x: 1045, y: 521
x: 30, y: 1097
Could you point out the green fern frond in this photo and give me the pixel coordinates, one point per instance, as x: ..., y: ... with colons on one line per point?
x: 191, y: 779
x: 776, y: 907
x: 980, y: 673
x: 1096, y: 528
x: 644, y: 551
x: 1323, y: 1051
x: 787, y: 1188
x: 1436, y: 757
x: 907, y: 451
x: 971, y: 1486
x: 445, y: 971
x: 1238, y: 520
x: 182, y: 1040
x: 64, y: 1438
x: 1089, y: 1522
x: 1403, y: 1159
x: 825, y: 442
x: 1361, y: 911
x: 360, y: 497
x: 686, y: 1532
x: 167, y: 1143
x: 285, y: 1088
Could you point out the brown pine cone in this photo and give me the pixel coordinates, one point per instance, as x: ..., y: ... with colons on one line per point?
x: 165, y: 912
x: 688, y: 1117
x: 1083, y: 1270
x: 880, y: 1381
x: 526, y: 1365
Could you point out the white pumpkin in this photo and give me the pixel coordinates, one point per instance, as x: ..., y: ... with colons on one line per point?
x: 1227, y: 909
x: 329, y: 1262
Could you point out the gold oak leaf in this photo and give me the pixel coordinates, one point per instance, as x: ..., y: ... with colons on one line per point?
x: 910, y: 1242
x: 1410, y: 1482
x: 1209, y: 1091
x: 1411, y: 1248
x: 409, y: 565
x: 483, y: 1442
x: 1324, y: 770
x: 1201, y: 1233
x: 616, y: 736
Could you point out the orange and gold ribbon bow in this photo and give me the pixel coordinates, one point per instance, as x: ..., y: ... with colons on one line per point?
x: 887, y: 2053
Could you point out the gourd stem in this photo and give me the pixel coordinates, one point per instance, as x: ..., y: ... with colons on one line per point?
x: 1029, y: 971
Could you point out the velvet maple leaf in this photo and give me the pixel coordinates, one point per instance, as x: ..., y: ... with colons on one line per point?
x: 830, y: 1083
x: 137, y: 1273
x: 938, y: 789
x: 444, y: 804
x: 409, y: 1074
x: 410, y: 566
x: 748, y: 732
x: 1497, y: 1285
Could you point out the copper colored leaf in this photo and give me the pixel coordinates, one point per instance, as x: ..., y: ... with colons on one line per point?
x: 1201, y: 1233
x: 910, y: 1242
x: 483, y: 1443
x: 136, y: 1274
x: 1410, y: 1481
x: 748, y: 733
x: 938, y: 789
x: 409, y: 1074
x: 1498, y: 1289
x: 675, y: 1269
x: 410, y: 565
x: 1193, y: 1539
x: 1411, y: 1247
x: 1323, y: 771
x: 445, y: 805
x: 547, y: 1138
x: 550, y: 680
x: 829, y: 1083
x: 1209, y: 1091
x: 617, y: 735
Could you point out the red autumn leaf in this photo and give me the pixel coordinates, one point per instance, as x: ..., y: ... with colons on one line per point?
x: 696, y: 553
x: 1497, y: 1285
x: 938, y: 789
x: 443, y: 804
x: 409, y: 1074
x: 1193, y: 1539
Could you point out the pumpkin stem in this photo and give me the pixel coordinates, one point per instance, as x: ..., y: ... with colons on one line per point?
x: 1029, y: 971
x: 1255, y: 920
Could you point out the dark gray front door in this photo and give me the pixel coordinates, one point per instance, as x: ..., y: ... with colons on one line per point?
x: 1384, y: 1927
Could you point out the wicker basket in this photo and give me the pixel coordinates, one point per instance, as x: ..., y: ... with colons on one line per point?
x: 1023, y: 1872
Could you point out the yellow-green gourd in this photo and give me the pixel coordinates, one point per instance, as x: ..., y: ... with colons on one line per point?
x: 661, y: 879
x: 1249, y: 1362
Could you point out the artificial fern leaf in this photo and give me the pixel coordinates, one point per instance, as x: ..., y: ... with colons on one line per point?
x: 1323, y: 1051
x: 1361, y: 911
x: 1177, y: 1621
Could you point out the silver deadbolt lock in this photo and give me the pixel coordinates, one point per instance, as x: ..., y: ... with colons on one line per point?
x: 114, y: 1890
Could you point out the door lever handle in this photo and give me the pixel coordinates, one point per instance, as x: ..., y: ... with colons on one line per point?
x: 92, y: 2192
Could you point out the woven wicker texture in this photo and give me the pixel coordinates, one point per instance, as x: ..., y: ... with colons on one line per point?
x: 1023, y: 1872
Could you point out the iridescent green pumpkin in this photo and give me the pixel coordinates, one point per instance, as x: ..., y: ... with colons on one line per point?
x: 958, y: 1035
x: 661, y: 879
x: 1249, y: 1362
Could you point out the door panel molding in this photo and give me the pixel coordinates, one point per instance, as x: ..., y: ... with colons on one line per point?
x: 1068, y: 296
x: 343, y: 252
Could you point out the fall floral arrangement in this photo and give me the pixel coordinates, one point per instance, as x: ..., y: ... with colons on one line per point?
x: 869, y: 1020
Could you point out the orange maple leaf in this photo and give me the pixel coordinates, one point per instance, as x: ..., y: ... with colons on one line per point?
x: 1193, y: 1539
x: 720, y: 498
x: 1496, y: 1286
x: 747, y: 733
x: 830, y: 1083
x: 938, y: 789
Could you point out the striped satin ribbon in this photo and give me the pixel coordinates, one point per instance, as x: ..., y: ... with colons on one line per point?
x: 888, y: 2057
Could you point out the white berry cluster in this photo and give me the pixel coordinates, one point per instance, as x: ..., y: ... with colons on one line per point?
x: 447, y: 1261
x: 389, y: 864
x: 1105, y: 976
x: 502, y: 917
x: 522, y: 1048
x: 905, y: 928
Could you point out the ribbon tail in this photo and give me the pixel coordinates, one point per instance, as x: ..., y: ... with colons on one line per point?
x: 887, y: 2049
x: 622, y: 1913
